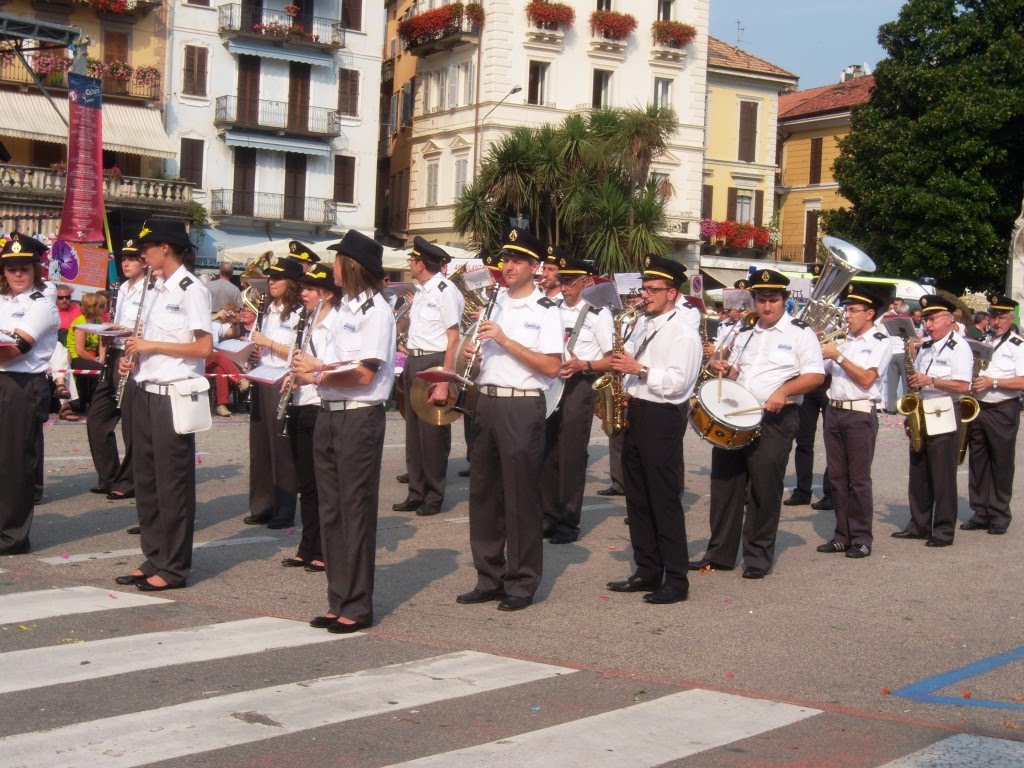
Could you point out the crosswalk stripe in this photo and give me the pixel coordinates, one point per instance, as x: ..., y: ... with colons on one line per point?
x: 89, y: 556
x: 964, y: 750
x: 640, y: 736
x: 30, y: 606
x: 38, y: 667
x: 145, y: 737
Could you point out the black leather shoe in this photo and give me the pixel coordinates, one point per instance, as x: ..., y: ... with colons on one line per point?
x: 907, y: 535
x: 409, y: 505
x: 974, y: 525
x: 322, y: 622
x: 997, y: 530
x: 144, y: 586
x: 480, y: 596
x: 293, y: 562
x: 825, y: 502
x: 278, y: 525
x: 706, y: 565
x: 315, y: 568
x: 99, y: 489
x: 798, y: 499
x: 832, y: 546
x: 665, y: 596
x: 564, y: 538
x: 429, y: 510
x: 134, y: 530
x: 753, y: 572
x: 933, y: 542
x: 634, y: 584
x: 513, y: 603
x: 341, y: 628
x: 129, y: 579
x: 256, y: 519
x: 463, y: 473
x: 116, y: 496
x: 613, y: 490
x: 859, y: 551
x: 402, y: 478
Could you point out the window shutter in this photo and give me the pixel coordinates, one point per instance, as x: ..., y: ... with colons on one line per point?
x: 442, y: 89
x: 348, y: 92
x: 453, y: 86
x: 811, y: 237
x: 759, y: 208
x: 115, y: 46
x: 191, y: 164
x: 469, y: 83
x: 707, y: 198
x: 814, y: 175
x: 407, y: 102
x: 432, y: 184
x: 352, y: 14
x: 461, y: 167
x: 344, y: 179
x: 732, y: 204
x: 748, y: 132
x: 427, y: 82
x: 190, y: 69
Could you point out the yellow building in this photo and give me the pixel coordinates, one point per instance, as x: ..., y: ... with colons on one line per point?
x: 739, y: 162
x: 811, y: 123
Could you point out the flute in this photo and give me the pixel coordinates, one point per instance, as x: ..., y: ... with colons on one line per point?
x: 301, y: 344
x: 118, y: 399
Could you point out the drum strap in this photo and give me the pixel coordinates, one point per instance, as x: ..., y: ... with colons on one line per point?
x: 575, y: 335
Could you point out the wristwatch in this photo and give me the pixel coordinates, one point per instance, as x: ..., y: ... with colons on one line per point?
x: 644, y: 370
x: 995, y: 383
x: 840, y: 359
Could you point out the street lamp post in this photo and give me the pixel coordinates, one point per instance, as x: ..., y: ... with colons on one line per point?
x: 476, y: 128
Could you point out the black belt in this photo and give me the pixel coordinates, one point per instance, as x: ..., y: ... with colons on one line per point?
x: 22, y: 374
x: 635, y: 402
x: 989, y: 406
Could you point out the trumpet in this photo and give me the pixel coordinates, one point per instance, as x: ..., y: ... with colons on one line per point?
x: 119, y: 397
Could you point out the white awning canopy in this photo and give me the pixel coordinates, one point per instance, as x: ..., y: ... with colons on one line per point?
x: 126, y: 127
x: 276, y: 144
x: 284, y: 53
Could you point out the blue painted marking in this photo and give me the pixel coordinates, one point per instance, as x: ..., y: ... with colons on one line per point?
x: 924, y: 690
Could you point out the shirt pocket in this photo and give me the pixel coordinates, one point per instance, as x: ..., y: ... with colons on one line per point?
x: 939, y: 368
x: 171, y: 327
x: 782, y: 358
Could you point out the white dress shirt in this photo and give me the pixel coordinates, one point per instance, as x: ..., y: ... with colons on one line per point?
x: 31, y: 312
x: 596, y: 334
x: 1007, y: 362
x: 947, y: 358
x: 871, y: 351
x: 279, y: 328
x: 437, y: 307
x: 690, y: 314
x: 176, y: 308
x: 534, y: 322
x: 670, y: 348
x: 363, y: 329
x: 769, y: 357
x: 316, y: 345
x: 129, y: 296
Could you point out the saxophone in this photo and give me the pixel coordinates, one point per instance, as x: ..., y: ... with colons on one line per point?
x: 969, y: 409
x: 609, y: 392
x: 911, y: 405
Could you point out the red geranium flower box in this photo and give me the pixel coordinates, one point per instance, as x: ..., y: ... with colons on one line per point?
x: 612, y: 24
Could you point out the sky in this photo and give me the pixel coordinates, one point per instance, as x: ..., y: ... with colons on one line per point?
x: 814, y: 39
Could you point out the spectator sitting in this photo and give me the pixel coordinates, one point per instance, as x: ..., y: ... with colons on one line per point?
x: 226, y: 325
x: 68, y: 311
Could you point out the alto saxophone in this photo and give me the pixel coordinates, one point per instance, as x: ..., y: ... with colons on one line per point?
x: 609, y: 392
x: 911, y: 405
x: 969, y: 409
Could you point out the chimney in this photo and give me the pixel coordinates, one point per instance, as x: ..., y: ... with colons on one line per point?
x: 854, y: 71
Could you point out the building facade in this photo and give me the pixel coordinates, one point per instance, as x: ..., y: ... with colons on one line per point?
x: 466, y: 98
x: 273, y: 108
x: 811, y: 123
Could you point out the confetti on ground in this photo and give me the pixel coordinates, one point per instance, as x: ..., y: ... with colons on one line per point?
x: 729, y: 675
x: 607, y: 677
x: 112, y: 596
x: 728, y: 601
x: 611, y: 549
x: 535, y: 709
x: 885, y: 691
x: 605, y: 597
x: 1011, y: 725
x: 966, y: 694
x: 65, y: 555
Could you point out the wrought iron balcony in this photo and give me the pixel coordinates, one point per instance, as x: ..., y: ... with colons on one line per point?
x: 280, y: 28
x: 387, y: 69
x: 272, y: 206
x: 278, y: 116
x: 13, y: 72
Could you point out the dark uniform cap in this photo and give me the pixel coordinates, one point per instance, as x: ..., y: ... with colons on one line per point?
x: 874, y: 296
x: 553, y: 254
x: 366, y: 252
x: 129, y: 250
x: 320, y: 276
x: 20, y: 250
x: 768, y: 280
x: 521, y: 242
x: 285, y: 268
x: 164, y: 231
x: 572, y: 267
x: 743, y: 285
x: 1000, y: 304
x: 660, y: 268
x: 302, y: 252
x: 930, y: 304
x: 426, y: 250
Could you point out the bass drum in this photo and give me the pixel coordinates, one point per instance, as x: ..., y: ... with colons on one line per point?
x: 714, y: 417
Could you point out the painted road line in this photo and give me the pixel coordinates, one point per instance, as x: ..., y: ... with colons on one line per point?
x: 89, y: 556
x: 44, y: 604
x: 964, y: 751
x: 927, y: 690
x: 194, y: 727
x: 38, y: 667
x: 640, y: 736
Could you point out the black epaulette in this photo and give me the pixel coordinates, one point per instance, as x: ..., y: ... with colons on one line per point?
x: 952, y: 343
x: 927, y: 344
x: 185, y: 283
x: 367, y: 305
x: 545, y: 302
x: 442, y: 285
x: 36, y: 295
x: 1016, y: 341
x: 880, y: 336
x: 800, y: 324
x: 596, y: 310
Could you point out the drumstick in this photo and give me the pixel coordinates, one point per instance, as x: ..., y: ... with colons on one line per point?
x: 752, y: 410
x: 720, y: 385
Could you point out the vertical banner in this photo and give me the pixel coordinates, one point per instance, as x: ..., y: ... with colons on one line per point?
x: 82, y: 219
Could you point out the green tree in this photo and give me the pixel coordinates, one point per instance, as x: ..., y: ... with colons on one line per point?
x: 583, y: 184
x: 935, y: 162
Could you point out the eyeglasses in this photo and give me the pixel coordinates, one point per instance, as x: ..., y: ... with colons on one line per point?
x: 63, y: 298
x: 853, y: 310
x: 648, y: 290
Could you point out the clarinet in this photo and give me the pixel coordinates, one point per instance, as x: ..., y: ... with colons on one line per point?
x: 107, y: 374
x: 289, y: 385
x: 119, y: 398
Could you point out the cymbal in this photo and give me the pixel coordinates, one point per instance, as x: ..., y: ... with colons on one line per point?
x: 438, y: 415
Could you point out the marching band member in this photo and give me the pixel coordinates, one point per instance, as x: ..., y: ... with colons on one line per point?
x: 433, y: 339
x: 303, y: 254
x: 778, y: 360
x: 662, y: 360
x: 318, y: 288
x: 564, y: 477
x: 32, y: 320
x: 115, y: 473
x: 174, y: 343
x: 548, y: 280
x: 851, y: 420
x: 348, y: 443
x: 943, y: 367
x: 993, y: 434
x: 521, y: 351
x: 272, y: 491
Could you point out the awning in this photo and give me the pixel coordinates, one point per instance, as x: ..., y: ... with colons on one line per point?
x: 284, y: 53
x: 126, y: 128
x: 725, y: 278
x: 275, y: 144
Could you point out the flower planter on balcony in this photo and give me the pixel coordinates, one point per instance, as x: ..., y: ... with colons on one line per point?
x: 278, y: 28
x: 670, y: 39
x: 442, y: 29
x: 548, y: 21
x: 544, y: 38
x: 610, y: 32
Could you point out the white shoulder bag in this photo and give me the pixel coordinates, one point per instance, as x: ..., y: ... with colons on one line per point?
x: 190, y: 405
